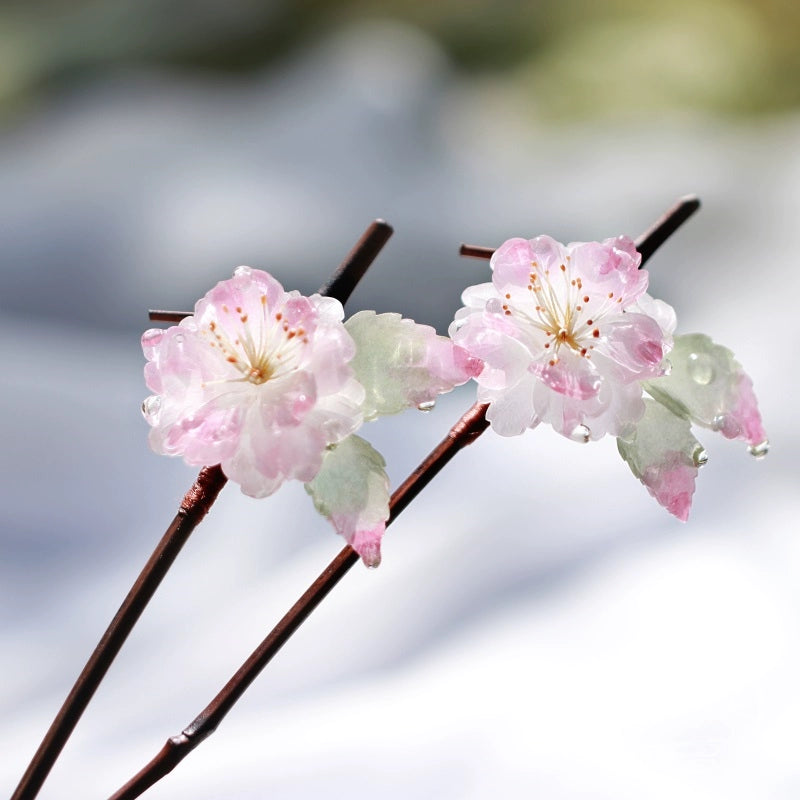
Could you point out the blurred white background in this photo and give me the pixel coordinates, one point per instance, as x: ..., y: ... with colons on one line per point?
x: 539, y: 626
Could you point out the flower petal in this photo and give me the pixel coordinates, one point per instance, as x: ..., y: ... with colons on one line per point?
x: 610, y: 267
x: 403, y: 364
x: 512, y: 262
x: 351, y: 489
x: 511, y: 411
x: 707, y: 385
x: 636, y: 343
x: 494, y: 340
x: 664, y: 456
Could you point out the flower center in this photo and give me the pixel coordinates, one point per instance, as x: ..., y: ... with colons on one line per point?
x: 260, y: 349
x: 561, y: 310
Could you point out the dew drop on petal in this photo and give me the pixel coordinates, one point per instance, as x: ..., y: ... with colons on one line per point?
x: 700, y: 456
x: 759, y: 450
x: 701, y: 368
x: 727, y: 425
x: 178, y: 339
x: 151, y: 407
x: 494, y: 306
x: 580, y: 433
x: 242, y: 272
x: 666, y: 367
x: 427, y: 405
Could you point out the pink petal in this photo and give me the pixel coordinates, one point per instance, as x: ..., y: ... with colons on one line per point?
x: 635, y: 342
x: 571, y: 375
x: 609, y: 267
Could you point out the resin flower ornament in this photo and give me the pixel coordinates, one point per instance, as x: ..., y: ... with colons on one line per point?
x: 566, y: 333
x: 268, y: 383
x: 570, y: 337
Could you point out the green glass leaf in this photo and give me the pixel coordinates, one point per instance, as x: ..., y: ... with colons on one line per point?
x: 708, y: 386
x: 664, y: 456
x: 402, y: 364
x: 352, y: 491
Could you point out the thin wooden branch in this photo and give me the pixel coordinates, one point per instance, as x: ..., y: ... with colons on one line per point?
x: 342, y: 282
x: 471, y: 425
x: 646, y: 244
x: 195, y: 506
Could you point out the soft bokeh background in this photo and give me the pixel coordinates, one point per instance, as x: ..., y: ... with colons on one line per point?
x: 539, y: 627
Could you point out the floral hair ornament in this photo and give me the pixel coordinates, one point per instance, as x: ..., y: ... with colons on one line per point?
x: 198, y: 500
x: 465, y: 431
x: 570, y: 337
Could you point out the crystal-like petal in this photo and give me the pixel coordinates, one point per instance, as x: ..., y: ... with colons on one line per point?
x: 577, y: 318
x: 257, y: 380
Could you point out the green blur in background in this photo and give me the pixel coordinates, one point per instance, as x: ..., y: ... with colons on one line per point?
x: 568, y: 59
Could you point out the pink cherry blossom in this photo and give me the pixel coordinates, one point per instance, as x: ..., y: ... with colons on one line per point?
x: 566, y: 334
x: 258, y: 380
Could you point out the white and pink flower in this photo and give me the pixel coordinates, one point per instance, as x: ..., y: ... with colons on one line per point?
x: 566, y: 333
x: 258, y: 381
x: 267, y: 383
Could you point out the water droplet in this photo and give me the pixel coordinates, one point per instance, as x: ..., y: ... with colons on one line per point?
x: 427, y: 405
x: 759, y: 450
x: 242, y: 272
x: 666, y: 367
x: 580, y: 433
x: 494, y: 306
x: 178, y: 338
x: 701, y: 368
x: 151, y: 407
x: 727, y: 425
x: 699, y: 456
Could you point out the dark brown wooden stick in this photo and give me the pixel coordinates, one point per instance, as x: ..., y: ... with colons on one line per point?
x: 343, y: 281
x: 464, y: 432
x: 646, y: 244
x: 160, y: 315
x: 195, y: 506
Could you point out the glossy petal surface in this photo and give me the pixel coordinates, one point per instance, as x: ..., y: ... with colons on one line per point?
x: 566, y: 334
x: 258, y: 380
